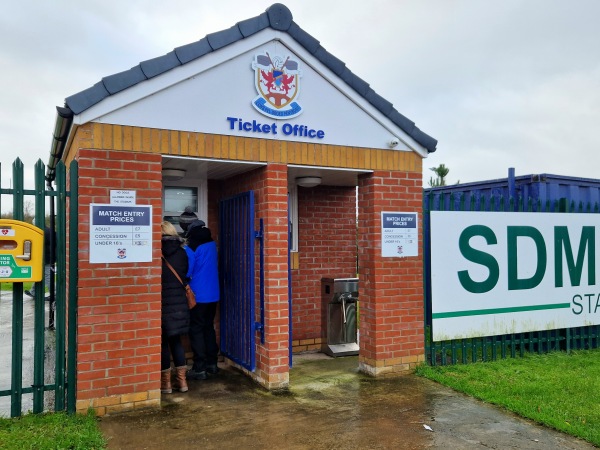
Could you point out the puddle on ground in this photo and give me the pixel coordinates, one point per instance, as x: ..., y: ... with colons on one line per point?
x: 328, y: 406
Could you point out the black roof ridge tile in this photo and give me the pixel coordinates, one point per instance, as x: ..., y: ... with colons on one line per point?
x: 155, y: 66
x: 336, y: 65
x: 120, y: 81
x: 424, y: 139
x: 224, y: 38
x: 195, y: 50
x: 87, y: 98
x: 355, y: 82
x: 307, y: 41
x: 379, y: 102
x: 278, y: 17
x: 253, y: 25
x: 403, y: 122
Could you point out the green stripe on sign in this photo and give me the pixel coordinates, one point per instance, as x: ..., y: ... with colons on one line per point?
x: 483, y: 312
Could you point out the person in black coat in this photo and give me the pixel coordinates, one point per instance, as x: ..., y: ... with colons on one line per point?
x: 175, y: 312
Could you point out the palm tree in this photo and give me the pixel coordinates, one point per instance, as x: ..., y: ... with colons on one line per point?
x: 441, y: 171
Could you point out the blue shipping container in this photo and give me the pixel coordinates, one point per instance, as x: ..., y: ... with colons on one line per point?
x: 547, y: 189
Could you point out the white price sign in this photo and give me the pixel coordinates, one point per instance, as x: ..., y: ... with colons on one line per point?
x: 120, y: 234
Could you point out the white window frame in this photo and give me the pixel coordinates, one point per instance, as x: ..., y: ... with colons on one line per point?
x: 201, y: 208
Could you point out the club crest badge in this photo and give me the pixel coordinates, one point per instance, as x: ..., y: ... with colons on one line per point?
x: 277, y: 81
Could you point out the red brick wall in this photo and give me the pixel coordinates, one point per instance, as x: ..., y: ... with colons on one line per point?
x: 270, y: 195
x: 326, y: 248
x: 118, y: 361
x: 391, y: 289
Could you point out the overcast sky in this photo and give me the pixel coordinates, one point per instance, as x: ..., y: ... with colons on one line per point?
x: 499, y: 84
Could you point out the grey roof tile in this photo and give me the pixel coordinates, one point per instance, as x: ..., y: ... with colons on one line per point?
x: 224, y: 37
x: 424, y: 139
x: 189, y: 52
x: 379, y: 102
x: 122, y: 80
x: 250, y: 26
x: 303, y: 38
x: 87, y: 98
x: 355, y: 82
x: 278, y: 17
x: 330, y: 61
x: 403, y: 122
x: 156, y: 66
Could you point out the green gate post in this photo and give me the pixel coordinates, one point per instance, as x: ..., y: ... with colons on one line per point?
x: 17, y: 322
x: 73, y: 281
x: 39, y: 306
x: 59, y: 324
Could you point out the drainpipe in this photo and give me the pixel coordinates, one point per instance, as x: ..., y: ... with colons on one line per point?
x: 64, y: 122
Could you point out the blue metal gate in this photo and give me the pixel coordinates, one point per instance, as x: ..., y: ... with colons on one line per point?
x: 236, y: 268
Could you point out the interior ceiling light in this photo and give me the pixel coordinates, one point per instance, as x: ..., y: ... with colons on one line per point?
x: 308, y: 181
x: 173, y: 174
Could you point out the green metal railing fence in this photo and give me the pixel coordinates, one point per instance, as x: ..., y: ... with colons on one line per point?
x: 490, y: 348
x: 61, y: 333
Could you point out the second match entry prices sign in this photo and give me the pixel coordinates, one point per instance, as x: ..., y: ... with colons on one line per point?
x: 399, y: 234
x: 120, y: 234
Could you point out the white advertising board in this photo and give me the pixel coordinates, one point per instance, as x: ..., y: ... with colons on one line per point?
x: 497, y: 273
x: 120, y: 234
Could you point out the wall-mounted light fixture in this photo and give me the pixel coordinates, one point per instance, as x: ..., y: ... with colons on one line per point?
x: 308, y: 181
x: 173, y: 174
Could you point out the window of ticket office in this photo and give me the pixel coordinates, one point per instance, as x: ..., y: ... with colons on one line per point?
x: 177, y: 198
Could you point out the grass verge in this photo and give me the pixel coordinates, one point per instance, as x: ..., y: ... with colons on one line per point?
x: 8, y: 286
x: 51, y: 431
x: 558, y: 390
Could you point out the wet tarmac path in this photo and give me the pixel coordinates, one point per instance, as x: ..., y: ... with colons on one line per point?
x: 329, y: 406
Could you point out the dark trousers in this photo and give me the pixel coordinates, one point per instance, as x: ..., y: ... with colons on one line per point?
x: 203, y: 337
x: 171, y: 345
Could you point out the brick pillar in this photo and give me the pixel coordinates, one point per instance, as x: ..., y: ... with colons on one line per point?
x: 391, y: 289
x: 272, y: 364
x: 119, y: 316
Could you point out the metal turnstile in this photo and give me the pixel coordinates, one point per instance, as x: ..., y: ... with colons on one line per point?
x: 339, y: 297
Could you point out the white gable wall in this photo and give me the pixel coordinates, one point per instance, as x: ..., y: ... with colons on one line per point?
x: 201, y: 95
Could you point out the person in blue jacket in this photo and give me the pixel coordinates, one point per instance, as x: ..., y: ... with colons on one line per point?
x: 204, y: 276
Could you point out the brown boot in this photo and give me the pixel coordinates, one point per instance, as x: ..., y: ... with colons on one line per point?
x: 165, y: 381
x: 180, y: 384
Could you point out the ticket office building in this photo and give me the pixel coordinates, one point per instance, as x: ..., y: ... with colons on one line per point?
x: 290, y: 159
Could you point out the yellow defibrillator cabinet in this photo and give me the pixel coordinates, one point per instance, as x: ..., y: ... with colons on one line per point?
x: 21, y: 251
